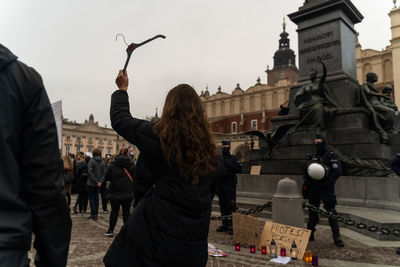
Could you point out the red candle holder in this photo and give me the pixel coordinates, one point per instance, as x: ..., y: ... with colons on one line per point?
x: 283, y: 252
x: 264, y: 250
x: 237, y: 246
x: 314, y: 261
x: 252, y: 249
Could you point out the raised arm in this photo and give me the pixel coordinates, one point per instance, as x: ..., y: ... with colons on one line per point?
x: 136, y: 131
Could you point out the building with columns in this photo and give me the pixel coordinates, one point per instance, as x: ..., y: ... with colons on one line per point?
x: 232, y: 114
x: 84, y: 137
x: 385, y: 63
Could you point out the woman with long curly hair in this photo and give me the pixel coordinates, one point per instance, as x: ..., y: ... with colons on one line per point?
x: 176, y: 176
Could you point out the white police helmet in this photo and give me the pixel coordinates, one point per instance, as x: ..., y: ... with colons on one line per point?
x: 316, y: 171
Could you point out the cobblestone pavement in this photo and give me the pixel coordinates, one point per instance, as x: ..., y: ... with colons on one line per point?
x: 88, y: 246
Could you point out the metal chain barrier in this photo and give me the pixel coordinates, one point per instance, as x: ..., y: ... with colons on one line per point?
x: 247, y: 212
x: 350, y: 222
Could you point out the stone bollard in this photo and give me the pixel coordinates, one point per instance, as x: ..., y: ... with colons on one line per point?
x: 287, y: 204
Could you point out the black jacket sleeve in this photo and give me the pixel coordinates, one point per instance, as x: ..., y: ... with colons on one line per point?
x: 42, y: 180
x: 136, y: 131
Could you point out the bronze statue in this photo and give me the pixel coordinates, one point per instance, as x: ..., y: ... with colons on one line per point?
x: 315, y: 102
x: 389, y: 103
x: 382, y: 116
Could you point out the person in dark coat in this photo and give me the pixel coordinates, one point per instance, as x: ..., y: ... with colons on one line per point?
x: 226, y: 190
x: 120, y: 174
x: 32, y: 196
x: 81, y: 184
x: 78, y: 160
x: 395, y: 166
x: 96, y: 172
x: 324, y: 189
x: 176, y: 173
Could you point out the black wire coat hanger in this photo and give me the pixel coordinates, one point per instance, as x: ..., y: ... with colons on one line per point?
x: 133, y: 46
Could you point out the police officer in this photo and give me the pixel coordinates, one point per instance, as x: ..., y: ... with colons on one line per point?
x: 226, y: 190
x: 320, y: 175
x: 395, y: 166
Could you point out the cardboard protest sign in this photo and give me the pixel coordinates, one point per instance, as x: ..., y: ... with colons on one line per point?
x: 245, y: 229
x: 284, y: 235
x: 255, y: 170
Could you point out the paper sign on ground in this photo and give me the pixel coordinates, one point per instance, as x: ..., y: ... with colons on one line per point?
x: 214, y: 252
x: 281, y: 260
x: 255, y: 170
x: 284, y: 235
x: 245, y: 229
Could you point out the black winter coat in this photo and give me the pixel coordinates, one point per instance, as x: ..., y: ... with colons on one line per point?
x: 81, y: 177
x: 32, y: 197
x: 121, y: 187
x: 170, y: 224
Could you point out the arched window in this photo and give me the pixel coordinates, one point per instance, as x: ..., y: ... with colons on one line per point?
x: 367, y: 68
x: 234, y: 127
x: 387, y: 71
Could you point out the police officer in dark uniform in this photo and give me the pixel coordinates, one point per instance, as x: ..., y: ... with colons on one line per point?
x: 226, y: 190
x: 395, y: 166
x: 320, y: 175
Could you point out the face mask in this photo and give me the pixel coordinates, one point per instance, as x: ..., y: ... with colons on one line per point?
x: 225, y: 150
x: 320, y: 148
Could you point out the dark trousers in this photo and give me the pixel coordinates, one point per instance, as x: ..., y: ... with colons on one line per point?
x: 126, y: 205
x: 77, y: 201
x: 103, y: 194
x: 326, y: 195
x: 226, y: 198
x: 93, y: 196
x: 83, y: 201
x: 14, y: 258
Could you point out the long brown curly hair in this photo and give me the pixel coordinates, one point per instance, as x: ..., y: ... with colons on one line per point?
x: 185, y: 137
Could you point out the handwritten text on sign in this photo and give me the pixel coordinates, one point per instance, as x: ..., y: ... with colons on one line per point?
x: 284, y: 235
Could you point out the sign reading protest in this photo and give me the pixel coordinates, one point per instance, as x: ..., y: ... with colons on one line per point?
x: 255, y: 170
x: 245, y: 229
x: 284, y: 235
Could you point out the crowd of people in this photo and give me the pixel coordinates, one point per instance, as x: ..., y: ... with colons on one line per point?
x: 177, y: 174
x: 110, y: 177
x: 175, y: 179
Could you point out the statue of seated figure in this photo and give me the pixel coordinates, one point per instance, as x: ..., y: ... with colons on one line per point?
x: 383, y: 113
x: 389, y: 103
x: 315, y: 102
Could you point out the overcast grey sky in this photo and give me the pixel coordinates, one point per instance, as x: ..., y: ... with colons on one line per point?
x: 209, y: 42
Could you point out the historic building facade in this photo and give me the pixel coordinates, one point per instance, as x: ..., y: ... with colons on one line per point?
x: 231, y: 115
x: 385, y: 63
x: 84, y: 137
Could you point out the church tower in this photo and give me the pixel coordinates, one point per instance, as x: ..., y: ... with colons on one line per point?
x: 284, y: 61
